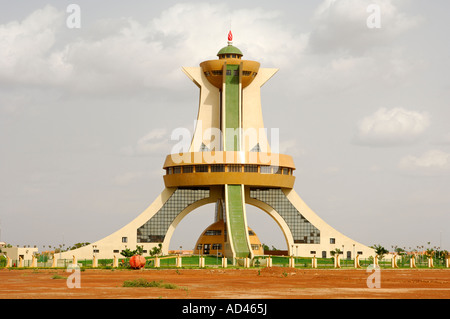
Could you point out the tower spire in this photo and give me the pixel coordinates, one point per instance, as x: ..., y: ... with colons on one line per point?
x: 230, y: 38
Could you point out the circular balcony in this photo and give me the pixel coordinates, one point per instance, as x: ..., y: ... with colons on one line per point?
x: 232, y: 168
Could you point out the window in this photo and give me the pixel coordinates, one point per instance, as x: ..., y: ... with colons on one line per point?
x: 116, y: 251
x: 266, y: 170
x: 324, y: 254
x: 199, y: 247
x: 255, y: 247
x: 201, y: 169
x: 286, y: 171
x: 217, y: 168
x: 170, y: 171
x: 96, y: 251
x: 188, y: 169
x: 332, y: 240
x: 247, y: 73
x: 216, y: 246
x: 228, y: 56
x: 360, y: 252
x: 236, y: 72
x: 235, y: 168
x: 207, y: 73
x: 124, y: 239
x: 251, y: 168
x: 213, y: 233
x: 177, y: 170
x: 233, y: 56
x: 251, y: 233
x: 228, y: 72
x: 277, y: 170
x: 217, y: 72
x: 155, y: 229
x: 303, y: 231
x: 312, y: 252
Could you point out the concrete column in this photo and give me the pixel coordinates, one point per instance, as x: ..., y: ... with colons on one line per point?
x: 224, y: 262
x: 447, y: 262
x: 269, y: 262
x: 314, y: 262
x: 292, y: 262
x: 412, y: 262
x: 394, y: 261
x: 157, y: 262
x: 246, y: 262
x: 33, y: 262
x: 94, y: 262
x: 375, y: 260
x: 20, y: 262
x: 115, y: 262
x: 179, y: 263
x: 54, y: 262
x: 8, y: 262
x: 201, y: 262
x: 430, y: 262
x: 357, y: 265
x: 337, y: 262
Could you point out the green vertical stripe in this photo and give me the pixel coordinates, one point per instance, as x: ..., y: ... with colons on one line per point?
x: 232, y: 97
x: 236, y: 220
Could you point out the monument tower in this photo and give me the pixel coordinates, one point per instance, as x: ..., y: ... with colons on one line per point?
x: 229, y: 163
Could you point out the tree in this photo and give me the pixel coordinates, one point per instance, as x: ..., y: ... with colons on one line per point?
x: 156, y: 250
x: 78, y: 245
x: 429, y: 252
x: 380, y: 251
x: 130, y: 253
x: 337, y: 251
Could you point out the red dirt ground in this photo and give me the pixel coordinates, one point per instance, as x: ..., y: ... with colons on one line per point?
x: 266, y: 283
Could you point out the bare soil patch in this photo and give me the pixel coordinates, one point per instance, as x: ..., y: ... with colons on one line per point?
x: 265, y: 283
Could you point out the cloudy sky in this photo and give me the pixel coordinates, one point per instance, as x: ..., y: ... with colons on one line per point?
x: 86, y: 113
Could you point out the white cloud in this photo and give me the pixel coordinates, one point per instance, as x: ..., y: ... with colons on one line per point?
x: 155, y: 142
x: 433, y: 161
x: 392, y: 127
x: 125, y: 56
x: 27, y: 53
x: 341, y: 25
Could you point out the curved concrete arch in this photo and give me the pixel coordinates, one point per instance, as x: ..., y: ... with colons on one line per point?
x: 276, y: 217
x: 179, y: 218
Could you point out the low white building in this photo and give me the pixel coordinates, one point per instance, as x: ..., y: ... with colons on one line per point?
x: 15, y: 252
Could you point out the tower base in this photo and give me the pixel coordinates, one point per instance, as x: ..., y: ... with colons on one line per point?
x: 306, y: 234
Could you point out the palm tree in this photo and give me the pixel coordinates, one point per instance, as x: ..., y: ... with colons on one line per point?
x: 337, y: 251
x: 380, y: 251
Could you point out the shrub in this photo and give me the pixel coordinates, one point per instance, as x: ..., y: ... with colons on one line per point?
x: 144, y: 283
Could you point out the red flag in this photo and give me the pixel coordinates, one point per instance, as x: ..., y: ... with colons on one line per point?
x: 230, y: 36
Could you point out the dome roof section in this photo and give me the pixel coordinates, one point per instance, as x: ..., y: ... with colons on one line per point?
x: 230, y: 49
